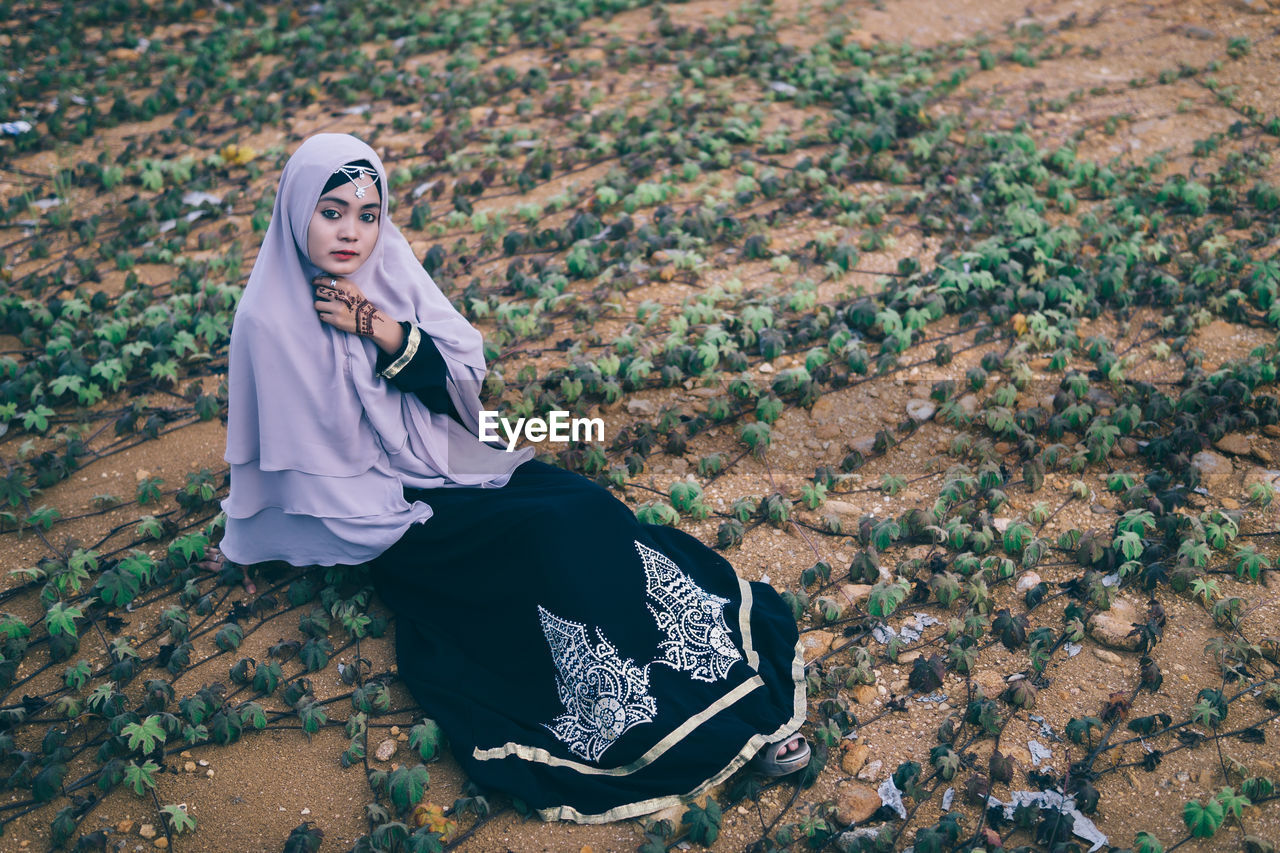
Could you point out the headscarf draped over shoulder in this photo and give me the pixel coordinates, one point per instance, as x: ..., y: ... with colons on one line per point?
x: 320, y: 447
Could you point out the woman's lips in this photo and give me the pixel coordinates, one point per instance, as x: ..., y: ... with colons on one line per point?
x: 344, y: 255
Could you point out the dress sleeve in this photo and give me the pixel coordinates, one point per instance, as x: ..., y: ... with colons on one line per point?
x: 418, y: 368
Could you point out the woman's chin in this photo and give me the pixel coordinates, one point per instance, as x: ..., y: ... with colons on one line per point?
x: 339, y: 268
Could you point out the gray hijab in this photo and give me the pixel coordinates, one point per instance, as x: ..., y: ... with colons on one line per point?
x: 320, y: 447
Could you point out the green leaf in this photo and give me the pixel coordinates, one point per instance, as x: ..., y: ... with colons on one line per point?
x: 426, y: 737
x: 141, y: 778
x: 405, y: 786
x: 179, y: 820
x: 885, y: 598
x: 61, y: 619
x: 1203, y: 820
x: 144, y: 735
x: 704, y: 823
x: 48, y: 782
x: 77, y: 676
x: 1145, y: 842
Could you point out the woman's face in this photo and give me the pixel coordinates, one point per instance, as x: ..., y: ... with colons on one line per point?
x: 344, y: 229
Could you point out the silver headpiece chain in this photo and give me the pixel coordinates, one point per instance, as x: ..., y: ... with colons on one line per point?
x: 353, y: 173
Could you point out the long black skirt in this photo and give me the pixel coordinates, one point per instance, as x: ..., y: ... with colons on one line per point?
x: 595, y: 667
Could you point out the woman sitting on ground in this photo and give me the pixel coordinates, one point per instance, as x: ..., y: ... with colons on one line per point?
x: 593, y: 666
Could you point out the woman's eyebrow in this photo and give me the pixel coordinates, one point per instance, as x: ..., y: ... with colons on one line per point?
x: 373, y: 205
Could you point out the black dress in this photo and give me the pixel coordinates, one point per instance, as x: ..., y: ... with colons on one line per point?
x: 595, y: 667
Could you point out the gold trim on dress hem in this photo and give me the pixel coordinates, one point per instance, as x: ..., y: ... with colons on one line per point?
x: 744, y: 624
x: 643, y: 807
x: 679, y: 733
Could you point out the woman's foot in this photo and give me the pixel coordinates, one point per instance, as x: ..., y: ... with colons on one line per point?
x: 214, y: 560
x: 784, y: 757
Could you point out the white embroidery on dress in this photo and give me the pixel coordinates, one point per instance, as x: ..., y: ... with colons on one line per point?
x: 698, y: 638
x: 603, y: 694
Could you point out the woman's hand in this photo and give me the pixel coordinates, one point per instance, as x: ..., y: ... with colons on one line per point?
x: 342, y: 304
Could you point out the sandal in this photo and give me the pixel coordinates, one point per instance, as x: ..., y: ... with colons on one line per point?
x: 769, y: 762
x: 214, y: 561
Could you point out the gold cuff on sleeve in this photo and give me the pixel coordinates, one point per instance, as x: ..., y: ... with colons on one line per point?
x: 410, y: 350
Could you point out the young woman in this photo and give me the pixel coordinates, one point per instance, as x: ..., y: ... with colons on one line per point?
x: 593, y: 666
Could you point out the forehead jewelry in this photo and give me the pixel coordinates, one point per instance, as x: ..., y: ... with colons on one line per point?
x: 353, y: 174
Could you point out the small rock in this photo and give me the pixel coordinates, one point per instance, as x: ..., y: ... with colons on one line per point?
x: 203, y: 763
x: 147, y: 831
x: 855, y: 803
x: 766, y: 367
x: 385, y: 750
x: 162, y: 843
x: 870, y: 771
x: 641, y: 407
x: 395, y: 730
x: 1215, y: 469
x: 908, y: 657
x: 1272, y: 430
x: 1253, y: 7
x: 1026, y: 581
x: 842, y: 507
x: 864, y: 444
x: 1229, y: 503
x: 814, y: 644
x: 1108, y: 657
x: 855, y: 593
x: 968, y: 404
x: 209, y: 772
x: 189, y: 766
x: 1004, y: 448
x: 921, y: 410
x: 1235, y: 443
x: 1112, y: 627
x: 305, y: 812
x: 186, y: 753
x: 854, y: 757
x: 864, y: 694
x: 402, y: 738
x: 125, y: 827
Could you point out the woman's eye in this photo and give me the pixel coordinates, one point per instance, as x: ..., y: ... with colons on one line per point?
x: 325, y: 213
x: 369, y: 217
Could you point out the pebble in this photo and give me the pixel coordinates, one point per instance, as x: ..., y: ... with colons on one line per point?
x: 209, y: 772
x: 854, y: 757
x: 1112, y: 627
x: 864, y: 694
x: 189, y: 766
x: 1108, y: 657
x: 162, y: 843
x: 147, y: 831
x: 395, y: 731
x: 815, y: 644
x: 305, y: 812
x: 1215, y: 469
x: 1026, y: 581
x: 125, y: 827
x: 385, y: 750
x: 921, y: 410
x: 855, y: 802
x: 1235, y: 443
x: 870, y: 771
x: 968, y: 404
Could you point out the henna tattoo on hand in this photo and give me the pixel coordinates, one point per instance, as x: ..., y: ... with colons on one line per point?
x: 365, y: 312
x: 345, y: 298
